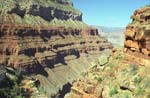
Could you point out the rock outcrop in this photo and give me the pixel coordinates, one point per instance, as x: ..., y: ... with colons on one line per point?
x: 120, y: 77
x: 137, y: 34
x: 52, y: 53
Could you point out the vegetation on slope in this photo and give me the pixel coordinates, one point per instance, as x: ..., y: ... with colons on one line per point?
x: 41, y: 12
x: 119, y: 78
x: 14, y: 85
x: 25, y: 4
x: 10, y: 85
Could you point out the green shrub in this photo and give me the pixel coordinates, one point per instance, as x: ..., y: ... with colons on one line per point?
x: 111, y: 65
x: 11, y: 89
x: 127, y: 94
x: 99, y: 79
x: 133, y: 69
x: 147, y: 83
x: 137, y: 79
x: 139, y: 91
x: 10, y: 84
x: 113, y: 91
x: 41, y: 90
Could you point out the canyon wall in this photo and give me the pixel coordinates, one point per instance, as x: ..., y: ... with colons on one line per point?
x: 47, y: 40
x: 137, y: 34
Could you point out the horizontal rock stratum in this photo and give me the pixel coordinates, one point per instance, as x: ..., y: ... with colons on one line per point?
x: 137, y: 34
x: 47, y: 40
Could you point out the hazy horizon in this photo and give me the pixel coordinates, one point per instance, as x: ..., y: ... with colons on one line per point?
x: 114, y: 13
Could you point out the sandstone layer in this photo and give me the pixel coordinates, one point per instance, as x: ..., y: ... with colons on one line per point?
x: 137, y: 34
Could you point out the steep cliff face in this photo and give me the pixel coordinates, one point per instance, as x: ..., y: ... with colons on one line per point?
x: 137, y: 34
x: 46, y: 40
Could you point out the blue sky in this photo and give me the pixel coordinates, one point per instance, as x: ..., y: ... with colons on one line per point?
x: 110, y: 13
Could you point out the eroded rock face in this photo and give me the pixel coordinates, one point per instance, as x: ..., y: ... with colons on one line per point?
x: 55, y: 55
x: 23, y: 46
x: 137, y: 34
x: 50, y: 51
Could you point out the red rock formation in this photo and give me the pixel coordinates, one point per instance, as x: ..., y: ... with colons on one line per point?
x: 53, y: 54
x: 21, y: 45
x: 34, y: 49
x: 137, y: 34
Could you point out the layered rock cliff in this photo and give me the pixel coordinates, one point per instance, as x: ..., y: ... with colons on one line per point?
x: 47, y: 40
x: 137, y: 34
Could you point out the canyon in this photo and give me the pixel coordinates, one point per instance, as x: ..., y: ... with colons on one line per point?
x: 126, y: 72
x: 57, y: 55
x: 53, y: 48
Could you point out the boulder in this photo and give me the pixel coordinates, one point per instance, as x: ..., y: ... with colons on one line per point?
x: 88, y: 88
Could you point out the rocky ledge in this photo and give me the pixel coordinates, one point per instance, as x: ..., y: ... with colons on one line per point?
x: 137, y: 34
x: 120, y: 77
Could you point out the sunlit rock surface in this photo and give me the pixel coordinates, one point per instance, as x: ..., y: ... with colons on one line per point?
x: 137, y: 34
